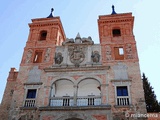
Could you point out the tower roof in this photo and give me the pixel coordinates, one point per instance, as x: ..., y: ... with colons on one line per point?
x: 51, y: 16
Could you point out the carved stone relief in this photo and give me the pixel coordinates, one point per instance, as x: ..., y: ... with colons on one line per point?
x: 68, y: 41
x: 129, y: 51
x: 120, y: 72
x: 76, y: 54
x: 47, y: 55
x: 29, y: 56
x: 87, y: 40
x: 95, y: 57
x: 34, y: 75
x: 58, y: 58
x: 108, y: 53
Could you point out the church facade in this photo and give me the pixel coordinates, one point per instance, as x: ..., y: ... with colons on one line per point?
x: 74, y: 79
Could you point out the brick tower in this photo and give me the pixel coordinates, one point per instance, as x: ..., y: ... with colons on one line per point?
x: 74, y: 79
x: 119, y: 51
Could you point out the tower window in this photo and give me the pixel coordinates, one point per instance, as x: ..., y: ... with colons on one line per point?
x: 116, y: 32
x: 38, y: 57
x: 119, y: 53
x: 43, y: 35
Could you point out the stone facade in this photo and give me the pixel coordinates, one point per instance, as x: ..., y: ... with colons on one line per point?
x: 74, y: 79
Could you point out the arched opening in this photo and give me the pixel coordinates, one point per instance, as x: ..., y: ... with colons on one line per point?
x: 88, y: 87
x: 62, y: 93
x: 89, y: 92
x: 116, y: 32
x: 62, y: 88
x: 43, y: 35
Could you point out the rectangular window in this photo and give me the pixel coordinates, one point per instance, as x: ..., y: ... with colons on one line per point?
x: 31, y: 93
x: 30, y: 98
x: 119, y: 53
x: 38, y: 57
x: 122, y: 91
x: 122, y: 96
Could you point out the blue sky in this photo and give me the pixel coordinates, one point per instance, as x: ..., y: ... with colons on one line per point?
x: 79, y: 16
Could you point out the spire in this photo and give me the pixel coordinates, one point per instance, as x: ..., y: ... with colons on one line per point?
x: 78, y: 38
x: 113, y: 11
x: 51, y: 16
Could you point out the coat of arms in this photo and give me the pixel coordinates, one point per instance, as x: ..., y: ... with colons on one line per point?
x: 76, y: 55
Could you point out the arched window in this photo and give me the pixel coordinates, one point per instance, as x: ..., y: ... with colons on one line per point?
x: 43, y: 35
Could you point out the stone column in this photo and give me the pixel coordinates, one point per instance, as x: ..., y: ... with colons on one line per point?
x: 75, y: 95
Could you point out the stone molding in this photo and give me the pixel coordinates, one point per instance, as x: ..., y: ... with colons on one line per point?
x: 33, y: 83
x: 100, y: 107
x: 88, y: 68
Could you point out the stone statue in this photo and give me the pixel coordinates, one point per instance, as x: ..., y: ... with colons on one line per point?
x: 58, y: 58
x: 95, y: 56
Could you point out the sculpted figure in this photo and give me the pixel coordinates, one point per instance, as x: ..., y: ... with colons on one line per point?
x: 58, y: 58
x: 95, y: 56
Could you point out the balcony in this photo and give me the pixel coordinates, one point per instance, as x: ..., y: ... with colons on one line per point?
x: 29, y: 103
x: 61, y: 101
x: 79, y: 101
x: 123, y: 100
